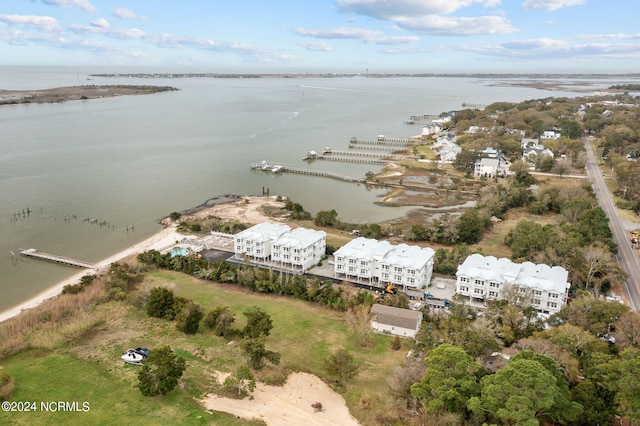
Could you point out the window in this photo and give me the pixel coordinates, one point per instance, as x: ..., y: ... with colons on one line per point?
x: 296, y: 258
x: 339, y: 267
x: 478, y: 291
x: 363, y: 263
x: 397, y: 277
x: 258, y: 251
x: 297, y: 251
x: 493, y: 285
x: 286, y: 256
x: 397, y: 269
x: 464, y: 279
x: 411, y: 271
x: 553, y: 295
x: 493, y: 293
x: 538, y: 293
x: 385, y: 267
x: 352, y: 261
x: 351, y: 269
x: 464, y: 288
x: 339, y: 259
x: 536, y: 301
x: 412, y: 280
x: 385, y: 276
x: 479, y: 282
x: 363, y: 272
x: 552, y: 305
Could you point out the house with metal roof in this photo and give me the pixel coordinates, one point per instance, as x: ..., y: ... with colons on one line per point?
x: 370, y: 261
x: 482, y: 278
x: 396, y: 321
x: 275, y: 244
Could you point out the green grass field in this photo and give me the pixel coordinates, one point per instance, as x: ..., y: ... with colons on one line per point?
x: 87, y: 366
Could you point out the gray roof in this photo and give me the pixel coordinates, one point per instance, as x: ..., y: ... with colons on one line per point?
x: 397, y: 317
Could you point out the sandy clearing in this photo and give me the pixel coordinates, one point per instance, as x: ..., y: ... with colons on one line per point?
x: 247, y: 209
x: 289, y: 405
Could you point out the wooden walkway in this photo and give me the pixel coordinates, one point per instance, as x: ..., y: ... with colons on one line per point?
x: 58, y: 259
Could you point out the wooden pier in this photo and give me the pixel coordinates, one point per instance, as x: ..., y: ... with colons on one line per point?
x: 382, y: 140
x: 321, y: 173
x: 55, y: 258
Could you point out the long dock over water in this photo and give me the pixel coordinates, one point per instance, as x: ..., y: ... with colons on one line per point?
x: 55, y: 258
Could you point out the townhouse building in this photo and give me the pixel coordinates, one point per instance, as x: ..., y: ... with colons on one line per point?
x: 379, y: 263
x: 481, y: 278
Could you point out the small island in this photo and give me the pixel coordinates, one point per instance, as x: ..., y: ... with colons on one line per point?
x: 73, y: 93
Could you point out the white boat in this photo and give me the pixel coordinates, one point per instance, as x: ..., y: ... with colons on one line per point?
x: 277, y: 168
x: 132, y: 357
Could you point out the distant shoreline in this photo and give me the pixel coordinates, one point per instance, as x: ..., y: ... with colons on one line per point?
x: 76, y: 93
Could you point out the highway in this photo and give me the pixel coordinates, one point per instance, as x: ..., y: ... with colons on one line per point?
x: 626, y: 256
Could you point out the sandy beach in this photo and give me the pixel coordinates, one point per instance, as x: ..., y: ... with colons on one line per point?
x: 245, y: 209
x: 165, y: 237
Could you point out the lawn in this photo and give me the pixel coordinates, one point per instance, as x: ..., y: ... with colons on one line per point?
x: 87, y: 366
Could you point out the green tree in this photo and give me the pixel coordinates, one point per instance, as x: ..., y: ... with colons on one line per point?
x: 160, y: 303
x: 241, y: 379
x: 471, y: 227
x: 521, y: 393
x: 326, y: 218
x: 529, y: 238
x: 220, y: 320
x: 629, y: 384
x: 451, y: 378
x: 189, y: 317
x: 257, y: 354
x: 259, y: 323
x: 160, y: 372
x: 340, y: 366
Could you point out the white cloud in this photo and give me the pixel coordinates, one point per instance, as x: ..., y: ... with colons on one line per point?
x: 80, y: 4
x: 316, y: 46
x: 390, y: 9
x: 43, y: 23
x: 551, y: 5
x: 124, y: 13
x: 100, y: 23
x: 453, y: 26
x: 338, y: 33
x: 551, y: 49
x: 367, y: 36
x: 431, y: 16
x: 394, y: 40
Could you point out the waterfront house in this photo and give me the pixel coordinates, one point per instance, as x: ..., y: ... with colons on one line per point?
x: 379, y: 263
x: 396, y: 321
x: 490, y: 167
x: 482, y: 278
x: 274, y: 244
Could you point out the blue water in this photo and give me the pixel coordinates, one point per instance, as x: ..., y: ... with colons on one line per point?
x: 129, y: 161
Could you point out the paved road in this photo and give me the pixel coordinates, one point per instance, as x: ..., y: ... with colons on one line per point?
x: 626, y: 256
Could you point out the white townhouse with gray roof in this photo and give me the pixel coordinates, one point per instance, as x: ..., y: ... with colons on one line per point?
x: 370, y: 261
x: 275, y: 244
x: 482, y: 278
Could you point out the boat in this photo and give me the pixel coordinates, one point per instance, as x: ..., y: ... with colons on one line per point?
x: 277, y: 168
x: 135, y: 356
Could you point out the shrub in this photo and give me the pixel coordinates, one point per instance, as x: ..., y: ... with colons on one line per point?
x: 188, y: 319
x: 6, y: 387
x: 72, y: 288
x: 160, y: 303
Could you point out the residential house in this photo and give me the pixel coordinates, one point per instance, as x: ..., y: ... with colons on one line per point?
x: 275, y: 244
x: 396, y: 321
x: 549, y: 135
x: 482, y: 278
x: 529, y: 142
x: 530, y: 154
x: 447, y: 147
x: 379, y: 263
x: 490, y: 167
x: 432, y: 129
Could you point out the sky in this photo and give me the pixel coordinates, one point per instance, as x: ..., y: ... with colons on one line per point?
x: 375, y: 36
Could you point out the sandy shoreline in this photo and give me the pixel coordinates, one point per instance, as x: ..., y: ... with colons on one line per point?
x: 161, y: 239
x: 245, y: 209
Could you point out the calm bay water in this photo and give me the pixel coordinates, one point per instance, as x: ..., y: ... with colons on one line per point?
x: 132, y: 160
